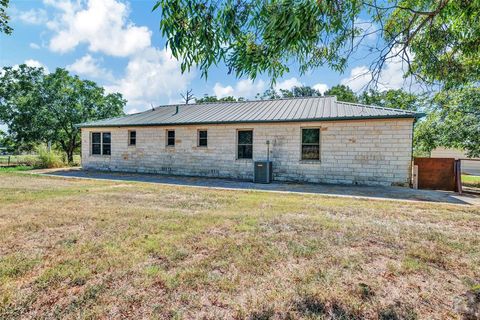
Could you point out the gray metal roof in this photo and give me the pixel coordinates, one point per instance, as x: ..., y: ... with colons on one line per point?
x: 279, y: 110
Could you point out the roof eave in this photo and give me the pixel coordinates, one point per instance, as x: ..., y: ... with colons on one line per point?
x: 106, y: 125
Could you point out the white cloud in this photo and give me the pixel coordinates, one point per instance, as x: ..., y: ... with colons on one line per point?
x: 288, y: 84
x: 243, y: 88
x: 36, y: 64
x: 358, y: 79
x: 391, y: 76
x: 132, y: 111
x: 34, y: 46
x: 32, y: 16
x: 102, y: 24
x: 89, y: 66
x: 150, y: 77
x: 221, y: 91
x: 321, y: 87
x: 370, y: 30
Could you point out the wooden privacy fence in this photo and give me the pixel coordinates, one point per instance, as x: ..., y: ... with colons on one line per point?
x: 437, y: 174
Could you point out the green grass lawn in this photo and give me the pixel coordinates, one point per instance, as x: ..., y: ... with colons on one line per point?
x: 98, y: 249
x: 471, y: 181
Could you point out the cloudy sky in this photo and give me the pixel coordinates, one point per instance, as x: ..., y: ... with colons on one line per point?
x: 117, y: 44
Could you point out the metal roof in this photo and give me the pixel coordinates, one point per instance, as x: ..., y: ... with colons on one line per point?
x: 280, y: 110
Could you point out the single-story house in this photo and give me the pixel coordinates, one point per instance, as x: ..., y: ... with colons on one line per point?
x: 311, y: 139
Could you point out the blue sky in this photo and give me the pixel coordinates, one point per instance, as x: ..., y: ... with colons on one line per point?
x: 117, y: 44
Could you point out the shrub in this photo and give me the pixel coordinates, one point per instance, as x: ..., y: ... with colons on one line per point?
x: 48, y: 159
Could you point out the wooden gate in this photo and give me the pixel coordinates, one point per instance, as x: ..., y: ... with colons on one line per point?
x: 436, y: 173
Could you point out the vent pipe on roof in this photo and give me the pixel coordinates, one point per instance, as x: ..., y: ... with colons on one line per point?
x: 176, y: 110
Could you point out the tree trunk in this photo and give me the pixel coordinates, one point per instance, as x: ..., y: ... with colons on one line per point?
x: 70, y: 156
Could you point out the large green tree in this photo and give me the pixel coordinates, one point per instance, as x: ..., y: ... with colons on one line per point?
x: 343, y: 93
x: 437, y: 39
x: 4, y: 18
x: 39, y: 107
x: 397, y: 99
x: 295, y: 92
x: 453, y: 121
x: 206, y: 98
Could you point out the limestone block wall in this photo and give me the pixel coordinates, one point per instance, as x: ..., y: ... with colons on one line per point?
x: 372, y: 152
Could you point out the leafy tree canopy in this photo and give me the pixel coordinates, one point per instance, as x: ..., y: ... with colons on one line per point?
x: 343, y: 93
x: 302, y: 91
x: 4, y: 18
x: 39, y: 107
x: 397, y: 99
x: 453, y: 121
x: 437, y: 39
x: 207, y: 98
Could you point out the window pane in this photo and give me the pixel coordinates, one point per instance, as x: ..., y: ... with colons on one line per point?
x: 245, y: 151
x: 106, y: 137
x: 96, y: 137
x: 170, y: 141
x: 106, y: 149
x: 310, y: 135
x: 310, y: 152
x: 245, y: 137
x: 202, y: 138
x: 171, y: 134
x: 96, y: 148
x: 132, y: 139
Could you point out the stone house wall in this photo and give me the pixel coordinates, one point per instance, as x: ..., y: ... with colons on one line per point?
x: 372, y: 152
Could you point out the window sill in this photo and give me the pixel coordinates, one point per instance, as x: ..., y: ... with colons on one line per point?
x: 311, y: 161
x: 244, y: 160
x: 100, y: 155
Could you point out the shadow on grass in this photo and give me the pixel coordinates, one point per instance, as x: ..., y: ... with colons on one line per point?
x: 310, y: 307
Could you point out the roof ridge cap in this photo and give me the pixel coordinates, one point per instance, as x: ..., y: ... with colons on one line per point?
x: 377, y: 107
x: 243, y: 101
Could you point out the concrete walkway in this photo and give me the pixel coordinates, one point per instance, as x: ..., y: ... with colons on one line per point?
x: 369, y: 192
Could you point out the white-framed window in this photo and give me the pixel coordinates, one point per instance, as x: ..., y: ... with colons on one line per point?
x: 310, y: 144
x: 244, y: 144
x: 101, y: 143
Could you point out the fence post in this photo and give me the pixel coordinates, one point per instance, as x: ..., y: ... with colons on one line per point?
x: 415, y: 177
x: 8, y: 162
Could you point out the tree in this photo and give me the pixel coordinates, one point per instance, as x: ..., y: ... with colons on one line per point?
x: 453, y: 121
x: 6, y: 142
x: 4, y: 18
x: 188, y: 96
x: 437, y: 39
x: 343, y: 93
x: 397, y: 99
x: 39, y: 107
x: 206, y: 98
x: 295, y: 92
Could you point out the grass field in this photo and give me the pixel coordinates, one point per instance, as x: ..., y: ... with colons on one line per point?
x: 99, y: 249
x: 27, y: 159
x: 471, y: 181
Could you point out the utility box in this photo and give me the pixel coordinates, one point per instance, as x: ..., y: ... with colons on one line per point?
x: 263, y: 172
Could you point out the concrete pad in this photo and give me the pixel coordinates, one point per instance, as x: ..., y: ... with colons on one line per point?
x: 366, y: 192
